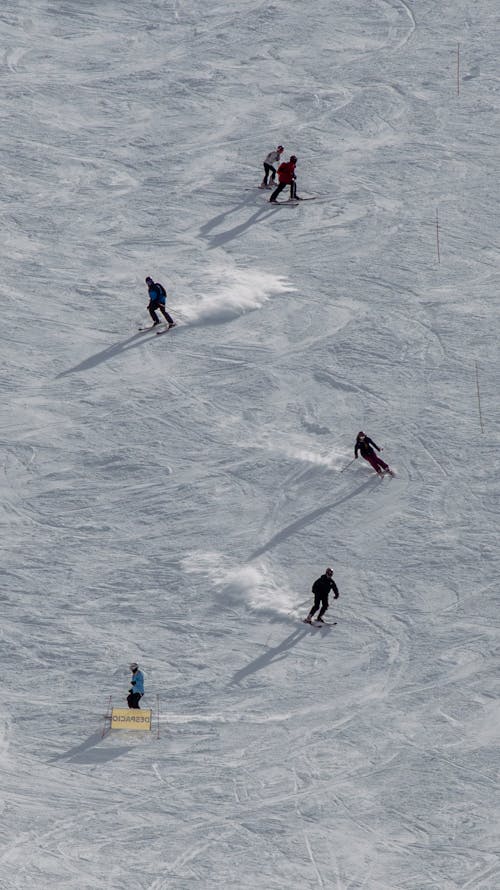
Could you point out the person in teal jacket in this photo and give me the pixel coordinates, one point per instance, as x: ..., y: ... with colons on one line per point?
x: 137, y: 683
x: 157, y: 300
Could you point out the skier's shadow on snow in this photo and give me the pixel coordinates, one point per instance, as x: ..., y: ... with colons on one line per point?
x: 105, y: 354
x: 299, y: 524
x: 275, y: 654
x: 87, y: 752
x: 218, y: 240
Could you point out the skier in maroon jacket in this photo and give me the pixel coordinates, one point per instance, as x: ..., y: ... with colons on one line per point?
x: 366, y: 445
x: 286, y: 176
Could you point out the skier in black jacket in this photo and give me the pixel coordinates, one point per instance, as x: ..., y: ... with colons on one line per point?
x: 321, y: 588
x: 366, y: 445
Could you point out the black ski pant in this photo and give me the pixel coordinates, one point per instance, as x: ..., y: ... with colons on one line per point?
x: 283, y: 185
x: 155, y: 304
x: 320, y: 599
x: 133, y: 699
x: 269, y: 171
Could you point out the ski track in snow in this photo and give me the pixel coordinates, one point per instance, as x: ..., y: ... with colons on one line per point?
x: 171, y: 499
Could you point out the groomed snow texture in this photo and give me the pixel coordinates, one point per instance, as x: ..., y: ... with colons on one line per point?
x: 171, y: 499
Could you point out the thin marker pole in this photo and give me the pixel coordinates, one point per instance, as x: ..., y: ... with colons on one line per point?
x: 458, y: 69
x: 157, y: 716
x: 437, y: 236
x: 479, y: 399
x: 107, y: 717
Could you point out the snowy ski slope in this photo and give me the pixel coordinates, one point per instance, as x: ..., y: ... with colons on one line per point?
x: 171, y: 499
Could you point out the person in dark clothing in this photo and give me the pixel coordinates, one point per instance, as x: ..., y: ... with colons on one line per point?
x: 286, y: 176
x: 321, y: 588
x: 366, y: 445
x: 157, y: 300
x: 137, y: 683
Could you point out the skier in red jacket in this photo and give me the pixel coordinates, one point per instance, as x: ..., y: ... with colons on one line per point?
x: 366, y: 446
x: 286, y: 176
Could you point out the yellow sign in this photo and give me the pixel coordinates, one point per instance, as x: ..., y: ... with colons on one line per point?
x: 130, y: 718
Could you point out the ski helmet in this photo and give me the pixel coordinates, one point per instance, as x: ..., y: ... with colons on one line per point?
x: 293, y: 158
x: 361, y: 435
x: 280, y: 148
x: 329, y: 572
x: 149, y: 280
x: 134, y: 666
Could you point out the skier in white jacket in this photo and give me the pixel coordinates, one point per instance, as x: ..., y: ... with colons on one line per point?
x: 270, y: 164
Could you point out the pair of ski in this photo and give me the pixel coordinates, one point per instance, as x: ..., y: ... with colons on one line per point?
x: 290, y: 200
x: 294, y: 200
x: 314, y: 623
x: 153, y: 327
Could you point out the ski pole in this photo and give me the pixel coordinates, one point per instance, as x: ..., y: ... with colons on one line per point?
x: 348, y: 465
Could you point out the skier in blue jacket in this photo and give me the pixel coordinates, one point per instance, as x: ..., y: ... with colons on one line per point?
x: 137, y: 683
x: 157, y: 300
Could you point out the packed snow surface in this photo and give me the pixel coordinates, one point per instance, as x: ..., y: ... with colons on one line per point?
x: 171, y: 499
